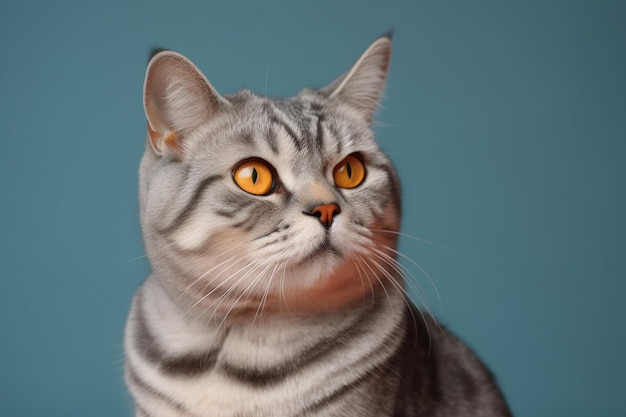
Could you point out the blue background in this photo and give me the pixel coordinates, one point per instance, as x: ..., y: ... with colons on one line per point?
x: 507, y: 122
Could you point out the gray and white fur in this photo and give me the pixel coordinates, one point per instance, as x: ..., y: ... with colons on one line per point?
x: 258, y: 305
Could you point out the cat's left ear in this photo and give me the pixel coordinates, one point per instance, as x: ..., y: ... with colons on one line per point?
x: 177, y: 99
x: 362, y: 86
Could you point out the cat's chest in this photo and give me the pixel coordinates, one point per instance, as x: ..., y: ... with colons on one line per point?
x: 266, y: 369
x: 325, y: 391
x: 264, y: 384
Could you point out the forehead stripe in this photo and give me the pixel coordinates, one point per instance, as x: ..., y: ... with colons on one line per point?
x: 319, y: 138
x: 292, y: 135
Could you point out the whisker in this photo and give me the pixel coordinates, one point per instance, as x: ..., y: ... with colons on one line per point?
x: 418, y: 266
x: 377, y: 124
x: 257, y: 264
x: 215, y: 305
x: 358, y: 269
x: 369, y: 281
x: 403, y: 293
x: 380, y: 103
x: 204, y: 275
x: 380, y: 282
x: 145, y: 255
x: 409, y: 278
x: 419, y: 239
x: 249, y: 287
x: 223, y: 282
x: 267, y: 73
x: 388, y: 97
x: 282, y: 289
x: 385, y: 273
x: 265, y: 295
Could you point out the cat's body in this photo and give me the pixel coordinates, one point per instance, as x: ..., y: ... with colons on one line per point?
x: 271, y: 228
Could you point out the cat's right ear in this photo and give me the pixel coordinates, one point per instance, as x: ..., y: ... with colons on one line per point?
x: 177, y: 99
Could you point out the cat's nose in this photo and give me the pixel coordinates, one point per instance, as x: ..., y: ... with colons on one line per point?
x: 325, y: 213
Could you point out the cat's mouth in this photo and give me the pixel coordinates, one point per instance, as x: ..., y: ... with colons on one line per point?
x: 324, y: 248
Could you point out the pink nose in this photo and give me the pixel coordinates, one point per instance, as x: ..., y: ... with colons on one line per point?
x: 326, y: 212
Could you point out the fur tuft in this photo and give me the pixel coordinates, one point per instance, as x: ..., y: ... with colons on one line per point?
x: 388, y: 34
x: 154, y: 51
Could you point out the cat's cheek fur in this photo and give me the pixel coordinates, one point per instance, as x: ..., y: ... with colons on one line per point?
x: 195, y: 233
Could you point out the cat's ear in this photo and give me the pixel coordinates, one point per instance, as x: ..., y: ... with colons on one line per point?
x: 362, y: 86
x: 177, y: 98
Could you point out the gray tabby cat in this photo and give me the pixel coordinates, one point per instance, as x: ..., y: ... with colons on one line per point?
x: 271, y: 227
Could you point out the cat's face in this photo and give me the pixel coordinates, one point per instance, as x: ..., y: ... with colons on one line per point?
x: 250, y: 203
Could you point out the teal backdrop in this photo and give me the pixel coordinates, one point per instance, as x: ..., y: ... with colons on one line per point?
x: 507, y: 122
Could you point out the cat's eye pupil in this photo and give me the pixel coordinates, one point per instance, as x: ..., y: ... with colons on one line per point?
x: 254, y: 175
x: 349, y: 169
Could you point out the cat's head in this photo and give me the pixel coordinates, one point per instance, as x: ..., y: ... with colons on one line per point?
x: 251, y: 202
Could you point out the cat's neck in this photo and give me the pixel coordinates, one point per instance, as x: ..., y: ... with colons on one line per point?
x: 179, y: 330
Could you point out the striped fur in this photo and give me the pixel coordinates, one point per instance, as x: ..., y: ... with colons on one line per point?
x: 255, y: 307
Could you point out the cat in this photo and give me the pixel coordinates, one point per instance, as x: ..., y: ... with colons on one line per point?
x: 271, y: 227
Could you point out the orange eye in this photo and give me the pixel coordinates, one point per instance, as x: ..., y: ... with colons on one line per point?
x: 349, y: 173
x: 254, y: 177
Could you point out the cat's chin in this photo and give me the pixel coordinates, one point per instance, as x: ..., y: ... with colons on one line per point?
x: 335, y: 288
x: 324, y: 283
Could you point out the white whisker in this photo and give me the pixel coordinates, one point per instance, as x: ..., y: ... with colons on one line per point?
x: 222, y: 282
x: 409, y: 278
x: 267, y: 74
x: 265, y: 295
x: 249, y: 287
x: 358, y: 270
x: 150, y: 253
x: 369, y: 281
x: 418, y: 239
x: 379, y: 281
x: 405, y: 295
x: 204, y: 275
x: 418, y: 266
